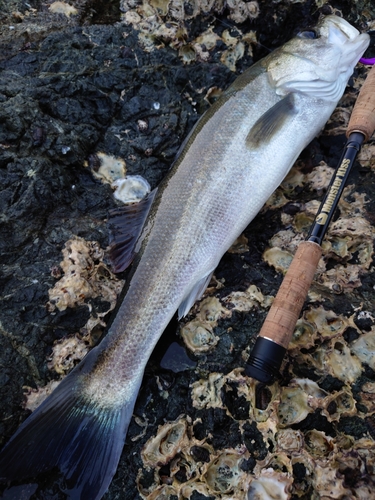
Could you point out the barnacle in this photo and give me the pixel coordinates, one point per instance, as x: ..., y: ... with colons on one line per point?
x: 277, y: 200
x: 264, y: 402
x: 207, y: 393
x: 224, y: 474
x: 239, y: 11
x: 348, y: 236
x: 310, y: 387
x: 198, y: 338
x: 334, y: 358
x: 253, y: 9
x: 85, y: 276
x: 240, y: 245
x: 105, y: 167
x: 342, y: 278
x: 286, y: 240
x: 294, y: 179
x: 131, y: 189
x: 318, y: 444
x: 63, y: 8
x: 293, y: 406
x: 279, y: 462
x: 160, y: 5
x: 364, y: 348
x: 328, y: 481
x: 164, y: 492
x: 290, y: 440
x: 198, y: 334
x: 142, y: 125
x: 245, y: 301
x: 35, y: 397
x: 230, y: 56
x: 194, y: 487
x: 367, y: 155
x: 205, y: 42
x: 341, y: 362
x: 279, y: 259
x: 304, y: 219
x: 328, y: 323
x: 67, y: 353
x: 304, y: 335
x: 339, y: 403
x: 169, y: 440
x: 367, y: 396
x: 320, y: 177
x: 187, y: 54
x: 269, y: 485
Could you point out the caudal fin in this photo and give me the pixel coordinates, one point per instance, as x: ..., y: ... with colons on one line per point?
x: 69, y: 432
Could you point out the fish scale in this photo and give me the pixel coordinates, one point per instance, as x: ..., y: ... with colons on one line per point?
x: 235, y: 157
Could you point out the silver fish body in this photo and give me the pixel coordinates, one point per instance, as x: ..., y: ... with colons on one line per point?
x: 224, y: 175
x: 235, y: 157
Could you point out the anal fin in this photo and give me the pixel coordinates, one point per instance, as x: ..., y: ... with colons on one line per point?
x: 194, y: 295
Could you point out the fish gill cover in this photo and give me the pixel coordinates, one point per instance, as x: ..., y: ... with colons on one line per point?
x: 71, y: 86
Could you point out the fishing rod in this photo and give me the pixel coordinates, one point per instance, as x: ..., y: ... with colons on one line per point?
x: 277, y: 330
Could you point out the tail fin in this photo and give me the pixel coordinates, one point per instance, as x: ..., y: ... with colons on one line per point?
x: 66, y: 431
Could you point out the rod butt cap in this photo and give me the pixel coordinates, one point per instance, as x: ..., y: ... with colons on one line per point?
x: 265, y: 361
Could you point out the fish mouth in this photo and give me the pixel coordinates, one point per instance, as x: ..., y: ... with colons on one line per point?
x: 355, y: 50
x: 353, y: 42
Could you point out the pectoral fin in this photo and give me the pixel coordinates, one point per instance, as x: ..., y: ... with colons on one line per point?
x: 194, y: 295
x: 271, y: 122
x: 125, y: 225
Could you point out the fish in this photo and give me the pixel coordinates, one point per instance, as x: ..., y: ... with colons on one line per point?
x: 231, y: 162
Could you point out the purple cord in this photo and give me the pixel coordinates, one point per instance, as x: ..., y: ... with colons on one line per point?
x: 367, y: 61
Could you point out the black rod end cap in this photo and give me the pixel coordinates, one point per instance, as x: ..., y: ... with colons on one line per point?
x: 265, y: 361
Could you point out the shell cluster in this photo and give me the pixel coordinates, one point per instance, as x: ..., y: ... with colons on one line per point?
x: 112, y: 170
x: 84, y: 276
x: 162, y: 23
x: 285, y: 460
x: 349, y: 242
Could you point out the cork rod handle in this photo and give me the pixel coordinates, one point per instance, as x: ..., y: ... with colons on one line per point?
x: 363, y: 115
x: 282, y: 317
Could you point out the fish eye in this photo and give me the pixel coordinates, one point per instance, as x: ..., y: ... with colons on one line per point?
x: 310, y: 34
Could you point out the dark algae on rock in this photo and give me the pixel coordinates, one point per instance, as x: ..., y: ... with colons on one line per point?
x: 75, y: 84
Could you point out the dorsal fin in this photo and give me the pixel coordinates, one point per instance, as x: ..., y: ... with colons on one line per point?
x: 125, y: 225
x: 271, y: 122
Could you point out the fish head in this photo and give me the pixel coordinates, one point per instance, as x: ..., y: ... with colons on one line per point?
x: 318, y: 62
